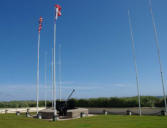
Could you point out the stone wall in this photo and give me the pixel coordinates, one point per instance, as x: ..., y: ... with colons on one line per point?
x: 123, y: 111
x: 22, y: 110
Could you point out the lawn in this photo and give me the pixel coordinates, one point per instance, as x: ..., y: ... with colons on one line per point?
x: 12, y: 121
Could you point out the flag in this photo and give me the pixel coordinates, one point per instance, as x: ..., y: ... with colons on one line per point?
x: 57, y: 11
x: 40, y: 24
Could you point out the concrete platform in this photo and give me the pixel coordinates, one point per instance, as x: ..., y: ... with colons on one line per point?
x: 73, y: 113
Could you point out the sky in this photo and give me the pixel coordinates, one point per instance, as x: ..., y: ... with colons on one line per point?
x: 96, y: 48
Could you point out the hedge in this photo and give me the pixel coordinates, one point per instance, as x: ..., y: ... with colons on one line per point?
x: 146, y: 101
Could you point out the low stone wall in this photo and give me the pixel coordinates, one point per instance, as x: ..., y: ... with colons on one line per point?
x: 123, y: 111
x: 21, y: 110
x: 74, y: 113
x: 114, y: 111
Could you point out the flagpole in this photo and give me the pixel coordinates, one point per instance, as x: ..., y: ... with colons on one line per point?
x: 60, y: 82
x: 135, y: 64
x: 158, y: 52
x: 37, y: 86
x: 52, y: 80
x: 54, y: 70
x: 45, y: 79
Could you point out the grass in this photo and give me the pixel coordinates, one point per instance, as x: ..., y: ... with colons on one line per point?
x: 12, y: 121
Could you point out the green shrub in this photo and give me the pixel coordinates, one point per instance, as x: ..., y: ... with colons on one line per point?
x: 146, y: 101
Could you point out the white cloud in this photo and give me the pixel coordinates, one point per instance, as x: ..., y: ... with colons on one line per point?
x: 83, y: 90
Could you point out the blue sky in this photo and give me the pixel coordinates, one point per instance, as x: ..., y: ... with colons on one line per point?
x: 96, y: 47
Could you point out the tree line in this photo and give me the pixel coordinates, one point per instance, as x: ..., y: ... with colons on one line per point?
x: 146, y: 101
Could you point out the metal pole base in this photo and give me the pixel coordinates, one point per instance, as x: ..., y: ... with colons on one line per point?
x: 27, y: 114
x: 82, y: 114
x: 163, y: 113
x: 17, y: 113
x: 55, y: 117
x: 106, y: 113
x: 129, y: 113
x: 39, y: 116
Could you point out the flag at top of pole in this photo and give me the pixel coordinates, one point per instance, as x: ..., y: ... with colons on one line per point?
x: 58, y: 11
x: 40, y: 24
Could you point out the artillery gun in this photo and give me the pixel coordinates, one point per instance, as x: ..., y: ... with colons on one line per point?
x: 64, y: 105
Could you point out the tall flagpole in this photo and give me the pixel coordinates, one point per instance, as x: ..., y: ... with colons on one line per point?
x: 52, y: 80
x: 60, y: 82
x: 54, y: 71
x: 45, y: 79
x: 158, y: 52
x: 37, y: 86
x: 57, y: 13
x: 54, y: 68
x: 134, y: 58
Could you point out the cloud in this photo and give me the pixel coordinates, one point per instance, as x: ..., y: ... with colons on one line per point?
x: 83, y: 90
x: 121, y: 85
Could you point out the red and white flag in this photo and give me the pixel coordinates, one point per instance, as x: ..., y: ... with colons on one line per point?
x: 58, y: 11
x: 40, y: 24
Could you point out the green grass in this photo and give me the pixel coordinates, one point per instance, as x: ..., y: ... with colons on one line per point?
x: 12, y: 121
